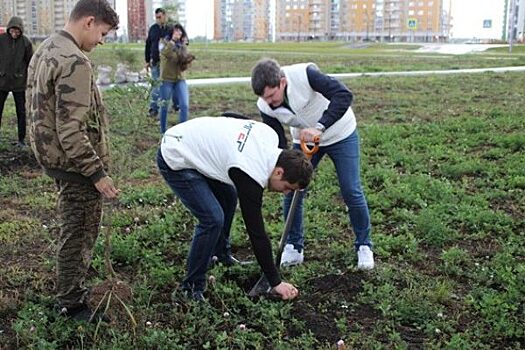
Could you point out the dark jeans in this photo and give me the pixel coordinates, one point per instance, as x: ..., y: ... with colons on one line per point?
x: 179, y: 92
x: 155, y: 90
x: 20, y: 104
x: 345, y: 155
x: 213, y: 203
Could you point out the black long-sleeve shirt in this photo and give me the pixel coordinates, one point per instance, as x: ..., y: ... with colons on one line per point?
x: 250, y: 195
x: 337, y: 93
x: 155, y: 33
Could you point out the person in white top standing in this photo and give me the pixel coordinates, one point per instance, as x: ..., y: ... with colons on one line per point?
x: 316, y: 105
x: 210, y: 162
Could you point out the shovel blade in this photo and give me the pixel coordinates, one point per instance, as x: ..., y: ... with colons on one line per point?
x: 262, y: 287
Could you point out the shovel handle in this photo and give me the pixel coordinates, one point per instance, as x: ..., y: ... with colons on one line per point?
x: 310, y: 150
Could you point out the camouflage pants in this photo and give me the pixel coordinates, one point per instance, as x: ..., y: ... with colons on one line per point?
x: 80, y: 212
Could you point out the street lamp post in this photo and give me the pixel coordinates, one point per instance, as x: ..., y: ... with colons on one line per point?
x: 511, y: 23
x: 299, y: 28
x: 367, y: 24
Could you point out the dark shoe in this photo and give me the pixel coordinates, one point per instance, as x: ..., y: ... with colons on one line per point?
x: 187, y: 295
x: 197, y: 296
x: 21, y: 144
x: 84, y: 313
x: 153, y: 114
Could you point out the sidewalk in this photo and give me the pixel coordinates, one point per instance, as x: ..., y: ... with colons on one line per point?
x: 246, y: 80
x: 236, y: 80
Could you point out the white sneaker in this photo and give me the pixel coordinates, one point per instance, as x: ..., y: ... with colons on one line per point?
x: 291, y: 256
x: 365, y: 258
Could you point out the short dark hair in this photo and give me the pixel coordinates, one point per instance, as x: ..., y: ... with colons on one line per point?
x: 297, y: 168
x: 100, y: 9
x: 266, y: 73
x: 160, y: 10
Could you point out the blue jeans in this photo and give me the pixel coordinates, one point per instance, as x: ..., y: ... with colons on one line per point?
x: 179, y: 89
x: 155, y: 90
x: 213, y: 203
x: 345, y: 155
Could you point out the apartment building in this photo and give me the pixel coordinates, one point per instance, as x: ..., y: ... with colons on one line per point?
x: 520, y: 20
x: 242, y: 20
x: 41, y: 17
x: 516, y: 20
x: 6, y: 11
x: 137, y: 27
x: 295, y: 19
x: 377, y: 20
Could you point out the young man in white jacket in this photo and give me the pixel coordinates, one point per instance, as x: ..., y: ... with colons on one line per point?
x: 314, y: 104
x: 209, y: 162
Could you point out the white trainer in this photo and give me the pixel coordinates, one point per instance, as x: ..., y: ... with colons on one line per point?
x: 291, y: 256
x: 365, y: 258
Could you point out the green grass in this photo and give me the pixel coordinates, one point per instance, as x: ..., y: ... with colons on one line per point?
x: 442, y: 166
x: 237, y: 59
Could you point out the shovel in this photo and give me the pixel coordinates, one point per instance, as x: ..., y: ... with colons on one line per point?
x: 263, y: 286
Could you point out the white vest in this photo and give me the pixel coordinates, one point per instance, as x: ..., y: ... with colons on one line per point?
x: 214, y: 145
x: 308, y: 106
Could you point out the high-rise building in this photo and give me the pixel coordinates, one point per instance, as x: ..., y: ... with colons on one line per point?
x: 176, y: 10
x: 242, y: 20
x: 293, y: 19
x: 62, y: 9
x: 41, y: 17
x: 520, y: 20
x: 377, y: 20
x: 515, y: 21
x: 137, y: 28
x: 6, y: 11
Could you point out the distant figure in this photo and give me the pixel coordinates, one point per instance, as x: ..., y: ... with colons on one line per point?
x: 157, y: 31
x: 15, y: 53
x: 174, y: 60
x: 314, y: 104
x: 69, y: 127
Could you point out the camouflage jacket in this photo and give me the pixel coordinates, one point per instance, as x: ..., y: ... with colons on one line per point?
x: 68, y: 122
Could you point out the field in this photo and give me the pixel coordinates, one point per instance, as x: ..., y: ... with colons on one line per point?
x: 442, y: 166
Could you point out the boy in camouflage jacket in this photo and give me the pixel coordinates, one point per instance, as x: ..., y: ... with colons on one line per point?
x: 68, y: 133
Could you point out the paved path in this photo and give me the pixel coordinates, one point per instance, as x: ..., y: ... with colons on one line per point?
x: 246, y: 80
x: 234, y: 80
x: 457, y: 49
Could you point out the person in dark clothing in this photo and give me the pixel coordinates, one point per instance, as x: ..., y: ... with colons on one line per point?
x: 157, y: 31
x: 15, y: 53
x: 210, y: 162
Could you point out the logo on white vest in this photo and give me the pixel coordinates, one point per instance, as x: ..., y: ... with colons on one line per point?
x: 243, y: 135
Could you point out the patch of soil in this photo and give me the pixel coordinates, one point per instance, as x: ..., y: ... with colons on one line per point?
x: 482, y: 248
x: 113, y: 296
x: 18, y: 161
x: 508, y: 207
x: 329, y: 298
x: 414, y: 338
